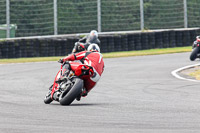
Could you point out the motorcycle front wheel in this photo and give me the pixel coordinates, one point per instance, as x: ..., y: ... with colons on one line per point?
x: 47, y: 98
x: 194, y: 53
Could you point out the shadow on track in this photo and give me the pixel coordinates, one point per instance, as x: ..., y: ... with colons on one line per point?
x: 77, y: 104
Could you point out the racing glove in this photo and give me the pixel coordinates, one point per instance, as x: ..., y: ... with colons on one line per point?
x: 61, y: 60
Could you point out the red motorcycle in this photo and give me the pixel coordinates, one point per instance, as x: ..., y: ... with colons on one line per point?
x: 67, y: 90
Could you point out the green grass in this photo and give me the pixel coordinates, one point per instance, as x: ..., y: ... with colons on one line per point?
x: 106, y: 55
x: 24, y: 60
x: 147, y: 52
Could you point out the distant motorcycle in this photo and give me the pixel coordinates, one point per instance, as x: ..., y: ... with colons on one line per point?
x: 68, y: 89
x: 195, y: 49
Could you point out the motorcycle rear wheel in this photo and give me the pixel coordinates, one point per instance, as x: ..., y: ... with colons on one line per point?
x: 68, y: 96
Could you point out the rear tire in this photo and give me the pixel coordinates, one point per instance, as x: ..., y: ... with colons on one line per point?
x: 68, y: 97
x: 194, y: 53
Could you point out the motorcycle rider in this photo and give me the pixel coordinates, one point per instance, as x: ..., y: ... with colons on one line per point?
x: 195, y: 42
x: 83, y: 43
x: 90, y: 67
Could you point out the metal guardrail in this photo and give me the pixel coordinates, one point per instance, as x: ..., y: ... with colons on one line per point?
x: 3, y: 28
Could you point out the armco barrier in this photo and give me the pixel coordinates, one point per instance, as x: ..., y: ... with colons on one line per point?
x: 110, y: 42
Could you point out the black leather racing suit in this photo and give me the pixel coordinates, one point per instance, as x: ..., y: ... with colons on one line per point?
x: 84, y: 42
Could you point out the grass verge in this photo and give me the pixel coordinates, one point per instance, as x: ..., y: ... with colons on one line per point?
x: 147, y: 52
x: 106, y: 55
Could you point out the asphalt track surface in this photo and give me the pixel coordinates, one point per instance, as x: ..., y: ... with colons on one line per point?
x: 135, y: 94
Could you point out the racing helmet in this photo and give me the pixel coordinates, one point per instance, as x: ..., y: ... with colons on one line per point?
x: 92, y: 37
x: 198, y: 38
x: 94, y: 33
x: 93, y: 48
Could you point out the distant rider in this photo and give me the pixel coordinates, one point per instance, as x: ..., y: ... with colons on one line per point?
x: 196, y: 42
x: 83, y: 43
x: 90, y: 67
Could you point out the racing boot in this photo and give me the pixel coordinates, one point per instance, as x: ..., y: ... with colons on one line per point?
x: 83, y: 94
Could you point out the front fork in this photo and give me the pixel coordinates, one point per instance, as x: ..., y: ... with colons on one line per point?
x: 61, y: 72
x: 56, y: 85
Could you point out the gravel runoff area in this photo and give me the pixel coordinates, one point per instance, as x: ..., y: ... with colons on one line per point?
x: 186, y: 72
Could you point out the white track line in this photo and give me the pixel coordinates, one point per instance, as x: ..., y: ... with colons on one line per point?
x: 174, y: 73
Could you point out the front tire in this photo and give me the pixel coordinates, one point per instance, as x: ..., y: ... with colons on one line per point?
x: 47, y: 98
x: 66, y: 98
x: 194, y: 53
